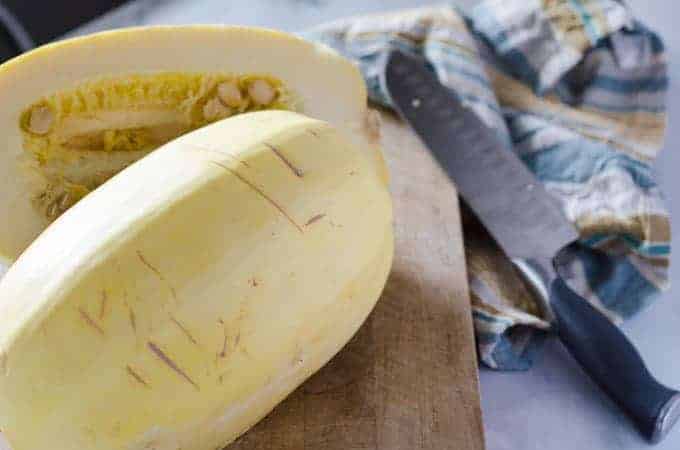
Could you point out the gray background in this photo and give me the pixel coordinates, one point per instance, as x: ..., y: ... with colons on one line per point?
x: 553, y: 406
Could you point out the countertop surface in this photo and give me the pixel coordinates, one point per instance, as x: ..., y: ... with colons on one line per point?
x: 553, y: 406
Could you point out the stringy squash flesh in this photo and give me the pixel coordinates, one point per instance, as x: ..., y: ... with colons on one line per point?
x: 76, y: 140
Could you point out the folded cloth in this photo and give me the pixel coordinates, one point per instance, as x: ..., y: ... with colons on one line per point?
x: 578, y: 89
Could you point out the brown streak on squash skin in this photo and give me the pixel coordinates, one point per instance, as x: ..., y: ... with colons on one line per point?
x: 88, y: 320
x: 298, y: 173
x: 223, y: 352
x: 219, y: 353
x: 208, y: 149
x: 221, y: 377
x: 133, y: 320
x: 261, y: 193
x: 314, y: 133
x: 184, y: 330
x: 160, y: 354
x: 238, y: 160
x: 158, y: 273
x: 137, y: 377
x: 102, y: 309
x: 297, y: 357
x: 315, y: 219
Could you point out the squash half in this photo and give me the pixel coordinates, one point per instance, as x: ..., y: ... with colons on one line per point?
x: 76, y: 112
x: 178, y: 303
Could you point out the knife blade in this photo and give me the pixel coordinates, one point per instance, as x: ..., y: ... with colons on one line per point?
x: 495, y: 184
x: 529, y: 226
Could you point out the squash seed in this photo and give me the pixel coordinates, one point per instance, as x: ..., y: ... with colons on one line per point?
x: 41, y: 120
x: 229, y: 94
x: 261, y: 92
x: 214, y: 110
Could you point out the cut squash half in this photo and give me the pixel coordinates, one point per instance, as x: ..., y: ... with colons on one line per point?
x: 76, y: 112
x: 175, y: 305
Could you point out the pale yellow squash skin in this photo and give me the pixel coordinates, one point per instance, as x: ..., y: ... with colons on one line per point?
x: 325, y: 86
x: 177, y: 304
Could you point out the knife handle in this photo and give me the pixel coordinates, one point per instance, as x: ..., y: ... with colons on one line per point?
x: 612, y: 361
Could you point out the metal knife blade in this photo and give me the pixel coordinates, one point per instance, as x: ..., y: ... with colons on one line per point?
x: 506, y: 197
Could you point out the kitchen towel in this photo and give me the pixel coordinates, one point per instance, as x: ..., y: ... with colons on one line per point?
x: 577, y: 87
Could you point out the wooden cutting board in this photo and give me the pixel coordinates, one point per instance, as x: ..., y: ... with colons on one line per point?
x: 408, y: 380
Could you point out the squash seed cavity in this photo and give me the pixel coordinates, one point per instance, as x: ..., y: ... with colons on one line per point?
x: 75, y: 140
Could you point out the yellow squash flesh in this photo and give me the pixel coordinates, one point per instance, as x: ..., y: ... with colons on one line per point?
x: 76, y: 112
x: 178, y: 303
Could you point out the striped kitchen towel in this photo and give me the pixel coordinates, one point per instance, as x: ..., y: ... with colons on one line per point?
x: 578, y: 88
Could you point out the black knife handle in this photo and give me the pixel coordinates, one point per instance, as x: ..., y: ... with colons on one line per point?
x: 612, y: 361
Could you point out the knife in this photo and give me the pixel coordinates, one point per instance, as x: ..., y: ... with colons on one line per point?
x: 532, y: 230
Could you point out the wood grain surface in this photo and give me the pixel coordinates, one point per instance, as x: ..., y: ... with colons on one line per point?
x: 408, y: 380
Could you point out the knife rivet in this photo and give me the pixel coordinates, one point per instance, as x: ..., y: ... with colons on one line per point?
x: 415, y: 102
